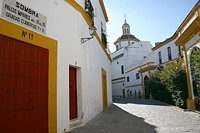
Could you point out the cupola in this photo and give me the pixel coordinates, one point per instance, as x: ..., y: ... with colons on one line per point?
x: 125, y: 28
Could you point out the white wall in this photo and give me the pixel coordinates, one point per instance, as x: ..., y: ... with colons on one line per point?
x: 118, y: 89
x: 164, y: 52
x: 116, y: 68
x: 124, y: 44
x: 135, y: 53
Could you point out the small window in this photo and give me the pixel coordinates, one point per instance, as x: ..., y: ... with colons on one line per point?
x: 123, y: 84
x: 117, y: 47
x: 117, y: 62
x: 137, y: 76
x: 180, y: 52
x: 128, y: 31
x: 159, y: 57
x: 169, y: 53
x: 145, y: 57
x: 128, y: 79
x: 122, y: 69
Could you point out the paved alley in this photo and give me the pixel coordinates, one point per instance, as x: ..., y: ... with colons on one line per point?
x: 142, y: 116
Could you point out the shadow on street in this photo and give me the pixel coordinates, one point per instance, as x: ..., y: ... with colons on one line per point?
x: 140, y: 101
x: 115, y: 120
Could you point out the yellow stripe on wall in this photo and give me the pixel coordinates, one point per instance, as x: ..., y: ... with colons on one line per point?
x: 14, y: 31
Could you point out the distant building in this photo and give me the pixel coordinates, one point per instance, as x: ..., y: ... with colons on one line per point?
x: 130, y: 51
x: 132, y: 68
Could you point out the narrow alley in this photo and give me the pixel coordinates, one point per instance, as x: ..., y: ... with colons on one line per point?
x: 142, y: 116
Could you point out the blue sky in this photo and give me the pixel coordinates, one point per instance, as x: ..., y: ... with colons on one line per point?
x: 149, y: 20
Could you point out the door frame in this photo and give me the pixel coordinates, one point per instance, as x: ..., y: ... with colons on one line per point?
x: 15, y: 31
x: 104, y: 89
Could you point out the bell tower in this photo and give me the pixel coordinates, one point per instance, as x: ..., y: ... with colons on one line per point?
x: 125, y: 28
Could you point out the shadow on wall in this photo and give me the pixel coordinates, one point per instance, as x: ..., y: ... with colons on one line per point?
x: 140, y: 101
x: 115, y: 120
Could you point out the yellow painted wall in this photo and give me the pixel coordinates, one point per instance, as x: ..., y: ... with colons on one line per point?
x: 14, y: 31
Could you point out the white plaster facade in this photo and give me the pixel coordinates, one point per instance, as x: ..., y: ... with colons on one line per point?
x: 130, y: 52
x: 67, y: 25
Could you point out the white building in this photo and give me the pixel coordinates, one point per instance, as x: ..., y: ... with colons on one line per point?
x: 130, y: 51
x: 135, y: 62
x: 49, y: 80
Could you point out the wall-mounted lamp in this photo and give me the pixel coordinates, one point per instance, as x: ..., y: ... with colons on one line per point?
x: 92, y: 33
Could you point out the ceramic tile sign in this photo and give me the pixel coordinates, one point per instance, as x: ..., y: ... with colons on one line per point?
x: 21, y: 14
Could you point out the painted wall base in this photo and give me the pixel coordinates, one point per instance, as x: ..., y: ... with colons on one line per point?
x: 151, y: 97
x: 191, y: 104
x: 143, y: 96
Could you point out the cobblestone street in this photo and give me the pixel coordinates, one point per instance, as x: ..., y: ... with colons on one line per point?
x: 142, y: 116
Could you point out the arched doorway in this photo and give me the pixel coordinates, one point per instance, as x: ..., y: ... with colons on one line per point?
x: 195, y: 76
x: 146, y: 87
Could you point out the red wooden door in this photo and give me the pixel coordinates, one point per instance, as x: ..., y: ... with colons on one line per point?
x: 23, y: 87
x: 72, y: 93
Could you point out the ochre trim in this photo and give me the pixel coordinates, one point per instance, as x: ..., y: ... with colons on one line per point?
x: 191, y: 104
x: 118, y: 82
x: 104, y: 10
x: 134, y: 85
x: 187, y: 74
x: 132, y: 69
x: 104, y: 88
x: 79, y: 8
x: 118, y: 78
x: 14, y: 31
x: 125, y: 40
x: 167, y: 62
x: 140, y: 67
x: 102, y: 46
x: 192, y: 13
x: 142, y: 81
x: 88, y: 20
x: 192, y: 30
x: 148, y: 68
x: 147, y: 64
x: 165, y: 42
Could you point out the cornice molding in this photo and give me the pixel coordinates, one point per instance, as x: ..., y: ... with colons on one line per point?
x: 104, y: 10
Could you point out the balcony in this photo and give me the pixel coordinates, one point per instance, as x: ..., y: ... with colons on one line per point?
x: 104, y: 39
x: 89, y: 9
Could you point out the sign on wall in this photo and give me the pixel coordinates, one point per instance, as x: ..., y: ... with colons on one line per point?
x: 19, y: 13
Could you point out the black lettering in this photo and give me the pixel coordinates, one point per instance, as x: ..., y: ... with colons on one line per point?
x: 22, y: 7
x: 24, y: 33
x: 37, y: 15
x: 22, y: 21
x: 26, y: 9
x: 30, y: 36
x: 33, y: 13
x: 17, y: 4
x: 12, y: 16
x: 11, y: 9
x: 7, y: 6
x: 23, y: 15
